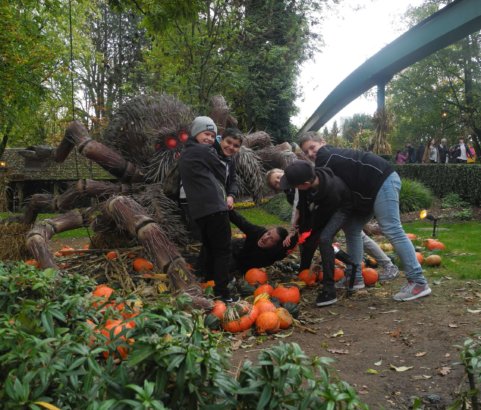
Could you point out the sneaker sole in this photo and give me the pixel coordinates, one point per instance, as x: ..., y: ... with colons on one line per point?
x: 326, y: 303
x: 425, y: 292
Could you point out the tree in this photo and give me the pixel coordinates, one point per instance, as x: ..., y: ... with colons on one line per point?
x: 355, y: 125
x: 440, y: 95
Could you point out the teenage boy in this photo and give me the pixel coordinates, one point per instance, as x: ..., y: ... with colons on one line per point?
x: 327, y: 200
x: 203, y: 178
x: 375, y: 187
x: 260, y: 248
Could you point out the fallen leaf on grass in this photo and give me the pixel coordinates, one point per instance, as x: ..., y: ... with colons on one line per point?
x: 474, y: 310
x: 339, y: 333
x: 400, y: 368
x: 453, y: 325
x: 379, y: 363
x: 444, y: 371
x: 372, y: 371
x: 283, y: 335
x: 338, y: 351
x: 395, y: 333
x: 420, y: 354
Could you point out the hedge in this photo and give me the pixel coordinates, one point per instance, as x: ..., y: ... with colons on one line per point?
x: 464, y: 180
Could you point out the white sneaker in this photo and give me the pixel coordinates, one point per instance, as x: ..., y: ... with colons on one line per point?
x: 411, y: 291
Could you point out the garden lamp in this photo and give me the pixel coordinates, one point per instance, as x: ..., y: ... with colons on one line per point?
x: 424, y: 214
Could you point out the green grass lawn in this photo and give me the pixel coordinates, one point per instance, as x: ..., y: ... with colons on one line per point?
x: 461, y: 259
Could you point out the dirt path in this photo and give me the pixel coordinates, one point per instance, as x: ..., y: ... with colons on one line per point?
x: 370, y: 333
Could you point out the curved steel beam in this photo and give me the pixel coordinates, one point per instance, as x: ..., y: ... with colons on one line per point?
x: 448, y: 25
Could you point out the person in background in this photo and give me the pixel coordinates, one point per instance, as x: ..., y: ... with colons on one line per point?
x: 433, y: 154
x: 375, y: 187
x: 401, y: 157
x: 204, y: 177
x: 462, y: 152
x: 471, y: 159
x: 411, y: 153
x: 420, y: 153
x: 443, y: 151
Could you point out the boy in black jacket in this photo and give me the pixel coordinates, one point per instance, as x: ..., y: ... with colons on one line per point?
x: 261, y: 247
x: 375, y: 188
x: 327, y: 201
x: 203, y: 177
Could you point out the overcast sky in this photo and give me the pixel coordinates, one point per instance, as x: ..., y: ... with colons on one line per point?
x: 354, y: 31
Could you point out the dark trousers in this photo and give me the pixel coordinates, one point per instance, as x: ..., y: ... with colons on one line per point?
x: 324, y: 238
x: 216, y: 249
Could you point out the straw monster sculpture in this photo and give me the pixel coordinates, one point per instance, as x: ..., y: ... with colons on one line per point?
x: 140, y: 148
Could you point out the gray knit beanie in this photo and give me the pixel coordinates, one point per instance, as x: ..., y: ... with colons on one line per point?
x: 202, y: 124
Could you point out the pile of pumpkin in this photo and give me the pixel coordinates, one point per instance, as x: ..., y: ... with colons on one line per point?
x: 312, y: 276
x: 433, y: 259
x: 272, y: 308
x: 113, y: 329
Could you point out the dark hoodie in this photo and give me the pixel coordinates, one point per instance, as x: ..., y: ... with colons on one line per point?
x: 231, y: 186
x: 203, y: 176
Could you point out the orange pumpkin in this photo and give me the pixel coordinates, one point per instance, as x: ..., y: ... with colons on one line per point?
x: 255, y: 276
x: 419, y: 257
x: 411, y: 236
x: 238, y: 317
x: 265, y: 305
x: 103, y: 291
x: 308, y: 277
x: 208, y: 284
x: 32, y: 262
x: 370, y: 276
x: 268, y: 322
x: 219, y: 309
x: 265, y: 288
x: 433, y: 260
x: 338, y: 274
x: 111, y: 255
x: 286, y: 294
x: 141, y: 264
x: 115, y: 327
x: 285, y: 318
x: 434, y: 244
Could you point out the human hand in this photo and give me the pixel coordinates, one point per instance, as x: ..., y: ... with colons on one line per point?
x: 287, y: 242
x: 230, y: 203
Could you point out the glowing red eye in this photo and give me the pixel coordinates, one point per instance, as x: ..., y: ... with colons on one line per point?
x: 170, y: 142
x: 183, y: 136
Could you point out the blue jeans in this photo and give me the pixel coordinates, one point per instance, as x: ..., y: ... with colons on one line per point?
x: 386, y: 211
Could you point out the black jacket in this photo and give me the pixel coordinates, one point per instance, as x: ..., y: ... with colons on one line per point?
x: 246, y: 253
x: 203, y: 177
x: 363, y: 173
x: 317, y: 206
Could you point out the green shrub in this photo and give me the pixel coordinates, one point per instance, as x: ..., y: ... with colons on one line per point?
x: 414, y: 196
x: 279, y: 206
x: 453, y: 200
x: 49, y: 353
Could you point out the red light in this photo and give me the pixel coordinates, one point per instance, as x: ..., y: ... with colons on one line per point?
x: 170, y: 142
x: 183, y: 136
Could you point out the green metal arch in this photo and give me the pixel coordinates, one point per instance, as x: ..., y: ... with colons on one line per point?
x: 448, y: 25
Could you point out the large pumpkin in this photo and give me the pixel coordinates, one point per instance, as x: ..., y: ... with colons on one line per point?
x: 255, y: 276
x: 268, y: 322
x: 287, y: 293
x: 370, y: 276
x: 433, y: 260
x: 308, y: 277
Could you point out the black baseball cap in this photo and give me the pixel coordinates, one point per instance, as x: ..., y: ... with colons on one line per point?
x: 296, y: 174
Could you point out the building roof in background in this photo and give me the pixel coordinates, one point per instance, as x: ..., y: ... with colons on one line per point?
x: 23, y: 167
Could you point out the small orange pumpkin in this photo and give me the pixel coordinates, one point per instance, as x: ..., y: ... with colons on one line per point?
x: 308, y: 277
x: 32, y: 262
x: 256, y: 276
x: 434, y: 244
x: 265, y: 288
x: 268, y: 322
x: 141, y: 264
x: 219, y: 309
x: 285, y: 318
x: 265, y: 305
x: 287, y: 293
x: 103, y: 291
x: 338, y: 274
x: 433, y: 260
x: 112, y: 255
x: 370, y: 276
x: 419, y: 257
x: 411, y: 236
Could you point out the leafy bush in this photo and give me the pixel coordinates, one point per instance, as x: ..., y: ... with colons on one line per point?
x: 49, y: 353
x: 453, y: 200
x: 279, y: 206
x: 414, y: 196
x: 470, y: 353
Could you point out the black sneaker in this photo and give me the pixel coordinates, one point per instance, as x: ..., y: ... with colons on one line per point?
x: 326, y: 297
